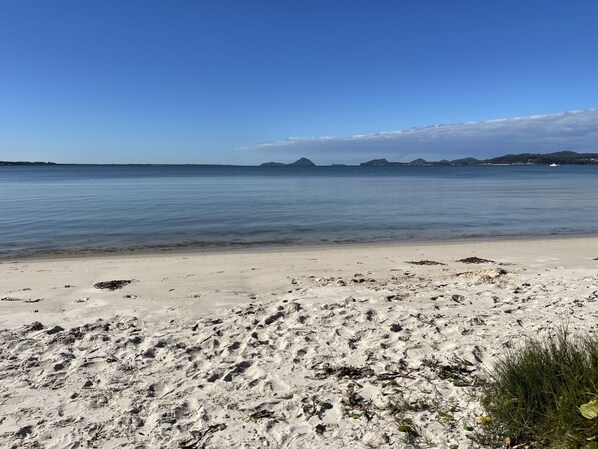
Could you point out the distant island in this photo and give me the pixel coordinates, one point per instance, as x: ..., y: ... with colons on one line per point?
x: 303, y: 162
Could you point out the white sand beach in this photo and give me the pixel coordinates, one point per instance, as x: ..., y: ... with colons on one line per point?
x: 339, y: 347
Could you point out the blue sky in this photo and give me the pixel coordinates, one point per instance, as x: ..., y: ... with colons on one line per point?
x: 212, y: 82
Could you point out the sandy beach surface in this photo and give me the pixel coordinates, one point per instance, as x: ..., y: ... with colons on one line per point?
x: 342, y: 347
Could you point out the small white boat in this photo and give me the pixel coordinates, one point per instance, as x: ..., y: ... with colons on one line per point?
x: 554, y: 165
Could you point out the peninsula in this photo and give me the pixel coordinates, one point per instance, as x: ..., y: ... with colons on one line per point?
x: 26, y: 163
x: 561, y: 157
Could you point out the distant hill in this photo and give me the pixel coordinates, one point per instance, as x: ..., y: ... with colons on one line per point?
x: 465, y: 161
x: 303, y: 162
x: 385, y: 163
x: 379, y: 163
x: 560, y: 157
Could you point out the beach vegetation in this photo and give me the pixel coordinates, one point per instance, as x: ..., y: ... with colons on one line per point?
x: 544, y: 394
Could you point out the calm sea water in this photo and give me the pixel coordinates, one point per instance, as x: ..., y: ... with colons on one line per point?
x: 91, y: 208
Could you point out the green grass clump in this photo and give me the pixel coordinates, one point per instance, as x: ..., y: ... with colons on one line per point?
x: 534, y: 394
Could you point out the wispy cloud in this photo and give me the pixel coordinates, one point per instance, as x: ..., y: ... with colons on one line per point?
x: 574, y: 130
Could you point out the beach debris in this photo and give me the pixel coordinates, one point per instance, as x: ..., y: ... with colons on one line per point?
x: 458, y: 372
x: 312, y: 406
x: 458, y: 298
x: 399, y: 369
x: 261, y: 414
x: 475, y: 259
x: 15, y: 299
x: 398, y: 297
x: 348, y: 372
x: 356, y: 402
x: 477, y: 321
x: 112, y: 285
x: 425, y: 262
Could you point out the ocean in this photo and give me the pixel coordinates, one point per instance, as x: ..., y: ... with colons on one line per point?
x: 69, y: 209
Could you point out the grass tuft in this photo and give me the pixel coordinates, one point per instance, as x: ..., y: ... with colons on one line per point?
x: 535, y: 393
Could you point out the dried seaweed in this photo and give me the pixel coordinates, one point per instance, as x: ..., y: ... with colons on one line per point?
x: 112, y: 285
x: 475, y: 259
x: 343, y: 372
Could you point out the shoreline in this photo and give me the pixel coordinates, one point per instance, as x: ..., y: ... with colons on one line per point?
x: 259, y: 247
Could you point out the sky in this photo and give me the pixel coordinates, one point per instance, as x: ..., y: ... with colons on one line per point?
x: 239, y: 82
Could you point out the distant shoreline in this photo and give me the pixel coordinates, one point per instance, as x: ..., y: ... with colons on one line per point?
x: 285, y: 166
x: 557, y: 158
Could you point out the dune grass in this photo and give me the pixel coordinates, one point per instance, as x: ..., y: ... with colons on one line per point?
x: 535, y: 393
